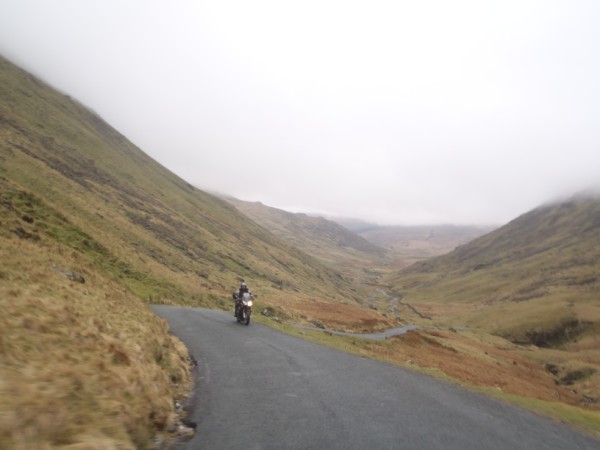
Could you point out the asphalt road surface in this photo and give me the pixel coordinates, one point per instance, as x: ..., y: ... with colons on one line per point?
x: 257, y: 388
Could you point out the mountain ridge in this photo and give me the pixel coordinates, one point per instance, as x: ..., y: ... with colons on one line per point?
x: 316, y: 235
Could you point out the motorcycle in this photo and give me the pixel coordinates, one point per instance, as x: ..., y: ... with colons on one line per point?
x: 243, y: 308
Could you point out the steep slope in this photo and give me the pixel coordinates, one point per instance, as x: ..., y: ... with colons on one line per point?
x: 91, y: 229
x: 533, y: 280
x: 84, y: 184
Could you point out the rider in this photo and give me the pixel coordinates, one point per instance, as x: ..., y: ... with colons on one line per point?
x: 239, y: 294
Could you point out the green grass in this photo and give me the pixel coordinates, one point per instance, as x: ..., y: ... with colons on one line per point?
x: 54, y: 225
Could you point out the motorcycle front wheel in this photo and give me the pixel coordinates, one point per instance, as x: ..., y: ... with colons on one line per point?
x: 247, y: 317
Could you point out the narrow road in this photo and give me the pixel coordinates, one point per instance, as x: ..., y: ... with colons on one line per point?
x: 257, y: 388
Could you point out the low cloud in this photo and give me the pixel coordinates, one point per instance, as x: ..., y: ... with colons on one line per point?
x: 424, y: 112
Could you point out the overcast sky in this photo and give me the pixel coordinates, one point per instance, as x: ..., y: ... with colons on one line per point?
x: 399, y: 112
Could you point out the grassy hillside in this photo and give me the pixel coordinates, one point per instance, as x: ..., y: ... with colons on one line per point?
x: 82, y: 361
x: 91, y: 189
x: 549, y: 256
x: 534, y: 281
x: 91, y: 230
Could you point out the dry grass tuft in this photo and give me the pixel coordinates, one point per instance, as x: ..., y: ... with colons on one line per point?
x: 82, y: 365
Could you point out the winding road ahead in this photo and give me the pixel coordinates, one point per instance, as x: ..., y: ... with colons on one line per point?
x: 257, y: 388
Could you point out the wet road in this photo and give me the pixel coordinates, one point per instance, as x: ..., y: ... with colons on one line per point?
x: 257, y: 388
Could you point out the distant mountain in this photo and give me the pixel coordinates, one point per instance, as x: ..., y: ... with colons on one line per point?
x: 316, y: 236
x: 420, y: 242
x: 536, y: 279
x: 333, y: 238
x: 355, y: 225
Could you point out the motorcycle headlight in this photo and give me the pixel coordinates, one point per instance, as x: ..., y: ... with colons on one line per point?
x: 249, y: 302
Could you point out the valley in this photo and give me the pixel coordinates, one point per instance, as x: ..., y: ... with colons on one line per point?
x: 534, y: 341
x: 93, y: 231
